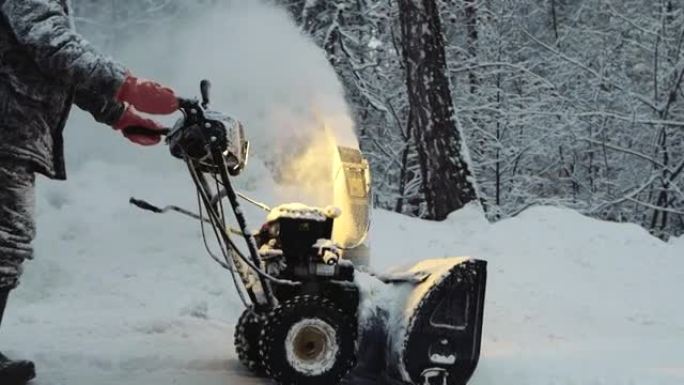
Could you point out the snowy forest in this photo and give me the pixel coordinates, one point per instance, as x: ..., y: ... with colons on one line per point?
x: 570, y: 103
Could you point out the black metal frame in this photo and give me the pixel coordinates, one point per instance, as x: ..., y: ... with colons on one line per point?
x: 218, y: 222
x: 197, y: 132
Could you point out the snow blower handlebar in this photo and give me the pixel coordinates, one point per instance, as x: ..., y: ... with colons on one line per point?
x: 214, y: 148
x: 184, y: 104
x: 144, y: 131
x: 145, y: 205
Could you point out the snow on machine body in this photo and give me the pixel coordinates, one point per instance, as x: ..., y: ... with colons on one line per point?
x: 432, y: 334
x: 302, y: 322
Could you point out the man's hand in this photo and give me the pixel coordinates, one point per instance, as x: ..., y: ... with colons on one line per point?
x: 147, y: 96
x: 131, y: 117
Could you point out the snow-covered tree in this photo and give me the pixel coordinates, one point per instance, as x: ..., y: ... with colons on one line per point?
x: 447, y: 182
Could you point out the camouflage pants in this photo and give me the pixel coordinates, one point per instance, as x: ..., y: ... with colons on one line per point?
x: 17, y: 227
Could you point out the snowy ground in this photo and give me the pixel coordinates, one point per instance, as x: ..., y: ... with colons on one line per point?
x: 121, y: 297
x: 118, y: 296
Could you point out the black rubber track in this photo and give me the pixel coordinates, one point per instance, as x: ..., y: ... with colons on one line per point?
x: 246, y: 341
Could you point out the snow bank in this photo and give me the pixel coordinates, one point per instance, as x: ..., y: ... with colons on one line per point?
x: 570, y: 300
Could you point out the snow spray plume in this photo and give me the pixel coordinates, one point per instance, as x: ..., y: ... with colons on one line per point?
x: 266, y: 73
x: 263, y: 69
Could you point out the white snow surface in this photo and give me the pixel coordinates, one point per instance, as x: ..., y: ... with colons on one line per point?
x: 120, y: 296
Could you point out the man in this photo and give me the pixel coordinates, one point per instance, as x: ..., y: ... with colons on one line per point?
x: 44, y: 68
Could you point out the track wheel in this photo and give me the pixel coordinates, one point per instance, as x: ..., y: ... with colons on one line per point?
x: 308, y: 340
x: 247, y: 332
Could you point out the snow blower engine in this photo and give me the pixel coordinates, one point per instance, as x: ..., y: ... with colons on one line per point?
x: 301, y: 324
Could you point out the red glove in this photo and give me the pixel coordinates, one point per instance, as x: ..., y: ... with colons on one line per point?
x: 129, y: 118
x: 147, y: 96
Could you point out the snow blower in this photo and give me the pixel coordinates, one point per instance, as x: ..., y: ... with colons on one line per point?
x: 301, y: 324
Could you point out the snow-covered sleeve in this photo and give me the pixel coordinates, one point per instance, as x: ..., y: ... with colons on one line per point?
x: 103, y: 109
x: 43, y: 28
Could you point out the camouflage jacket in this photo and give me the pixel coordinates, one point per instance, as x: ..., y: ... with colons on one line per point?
x: 45, y: 67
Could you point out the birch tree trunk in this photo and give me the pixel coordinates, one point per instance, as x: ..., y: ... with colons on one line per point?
x: 446, y: 178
